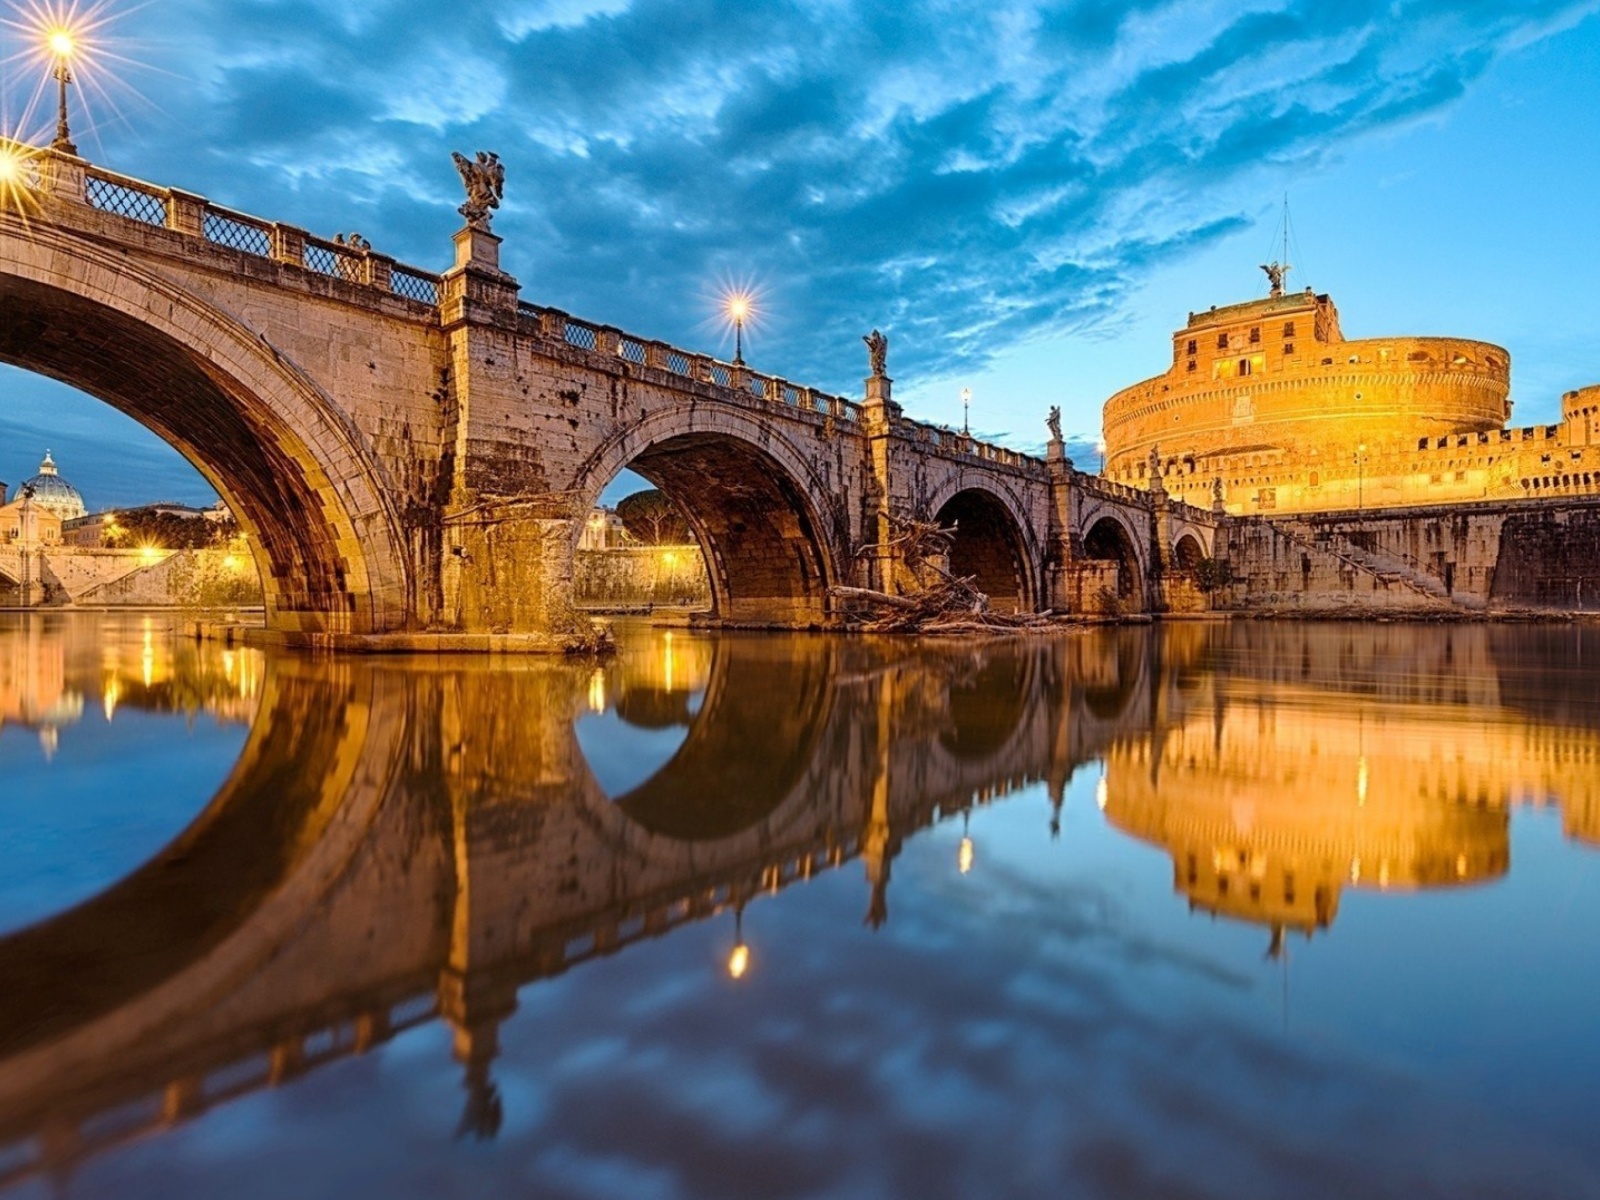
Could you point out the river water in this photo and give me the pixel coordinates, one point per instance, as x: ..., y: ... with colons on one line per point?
x: 1204, y: 910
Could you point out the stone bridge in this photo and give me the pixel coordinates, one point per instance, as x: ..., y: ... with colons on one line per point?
x: 412, y: 453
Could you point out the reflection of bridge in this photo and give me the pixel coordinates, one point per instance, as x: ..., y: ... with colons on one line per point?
x: 416, y: 452
x: 396, y: 845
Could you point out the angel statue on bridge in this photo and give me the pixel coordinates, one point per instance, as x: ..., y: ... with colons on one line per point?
x: 877, y: 353
x: 1054, y: 421
x: 485, y: 181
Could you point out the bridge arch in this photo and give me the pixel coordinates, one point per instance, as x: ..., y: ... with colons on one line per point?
x: 758, y: 508
x: 1109, y: 538
x: 1188, y: 551
x: 297, y: 473
x: 993, y: 543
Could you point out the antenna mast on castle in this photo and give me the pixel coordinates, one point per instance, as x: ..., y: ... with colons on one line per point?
x: 1279, y: 270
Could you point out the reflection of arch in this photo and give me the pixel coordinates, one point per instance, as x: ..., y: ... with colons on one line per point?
x: 753, y: 500
x: 294, y: 469
x: 1110, y: 540
x: 220, y: 898
x: 989, y: 546
x: 747, y: 751
x: 1188, y: 552
x: 987, y: 708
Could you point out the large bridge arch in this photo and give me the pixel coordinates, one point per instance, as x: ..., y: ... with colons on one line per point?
x: 757, y: 506
x: 1109, y: 536
x: 994, y: 543
x: 297, y: 473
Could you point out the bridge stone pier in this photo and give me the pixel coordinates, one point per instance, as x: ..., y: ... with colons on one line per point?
x: 412, y: 454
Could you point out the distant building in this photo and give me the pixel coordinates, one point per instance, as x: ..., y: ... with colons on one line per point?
x: 50, y: 491
x: 603, y: 530
x: 28, y: 522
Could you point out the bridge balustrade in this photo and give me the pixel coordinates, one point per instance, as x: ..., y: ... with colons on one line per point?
x: 169, y: 208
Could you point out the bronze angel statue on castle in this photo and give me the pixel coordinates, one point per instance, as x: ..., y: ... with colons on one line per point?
x: 485, y: 181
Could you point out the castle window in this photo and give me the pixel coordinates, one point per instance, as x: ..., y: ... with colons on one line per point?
x: 1222, y: 341
x: 1255, y: 334
x: 1288, y: 347
x: 1314, y: 479
x: 1191, y: 364
x: 1244, y: 366
x: 1194, y: 347
x: 1288, y: 329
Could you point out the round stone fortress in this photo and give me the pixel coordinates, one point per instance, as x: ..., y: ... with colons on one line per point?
x: 1269, y: 398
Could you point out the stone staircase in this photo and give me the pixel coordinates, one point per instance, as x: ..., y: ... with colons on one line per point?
x: 1391, y: 569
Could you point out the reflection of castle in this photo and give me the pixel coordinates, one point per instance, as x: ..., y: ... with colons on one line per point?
x: 1269, y: 398
x: 1318, y: 770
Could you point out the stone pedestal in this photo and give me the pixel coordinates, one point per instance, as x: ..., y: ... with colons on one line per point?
x: 878, y: 416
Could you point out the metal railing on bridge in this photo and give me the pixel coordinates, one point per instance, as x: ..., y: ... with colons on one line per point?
x: 352, y: 260
x: 613, y: 342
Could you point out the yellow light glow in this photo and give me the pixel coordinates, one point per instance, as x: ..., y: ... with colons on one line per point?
x: 148, y: 554
x: 739, y: 961
x: 669, y: 558
x: 61, y: 42
x: 964, y: 856
x: 738, y: 306
x: 10, y: 166
x: 1361, y: 781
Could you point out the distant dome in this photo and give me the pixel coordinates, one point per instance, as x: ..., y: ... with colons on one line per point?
x: 53, y: 492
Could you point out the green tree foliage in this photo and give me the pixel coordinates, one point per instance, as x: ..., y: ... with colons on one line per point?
x: 167, y: 531
x: 651, y: 518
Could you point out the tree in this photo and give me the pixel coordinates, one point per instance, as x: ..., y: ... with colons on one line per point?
x: 650, y: 517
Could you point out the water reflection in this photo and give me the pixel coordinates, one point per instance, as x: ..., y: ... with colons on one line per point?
x: 406, y: 842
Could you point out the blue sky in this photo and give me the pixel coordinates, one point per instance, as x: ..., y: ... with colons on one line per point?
x: 1027, y: 196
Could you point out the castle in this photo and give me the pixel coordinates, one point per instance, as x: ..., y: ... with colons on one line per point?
x: 1267, y: 408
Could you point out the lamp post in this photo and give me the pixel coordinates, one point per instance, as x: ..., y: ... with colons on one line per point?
x: 738, y: 310
x: 1100, y: 449
x: 966, y: 408
x: 1361, y: 469
x: 62, y: 45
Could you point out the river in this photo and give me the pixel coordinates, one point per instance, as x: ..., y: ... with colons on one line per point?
x: 1198, y: 910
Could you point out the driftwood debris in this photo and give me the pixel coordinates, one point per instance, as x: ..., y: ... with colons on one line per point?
x: 939, y: 603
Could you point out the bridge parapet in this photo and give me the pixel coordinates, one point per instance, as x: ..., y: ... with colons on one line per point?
x: 183, y: 212
x: 610, y: 342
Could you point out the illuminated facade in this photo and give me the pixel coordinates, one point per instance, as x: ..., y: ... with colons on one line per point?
x: 1271, y: 399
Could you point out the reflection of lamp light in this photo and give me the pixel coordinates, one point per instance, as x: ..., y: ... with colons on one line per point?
x: 1361, y: 781
x: 964, y: 852
x: 739, y: 958
x: 1101, y: 793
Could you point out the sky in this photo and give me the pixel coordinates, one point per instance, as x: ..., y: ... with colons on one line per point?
x: 1027, y: 196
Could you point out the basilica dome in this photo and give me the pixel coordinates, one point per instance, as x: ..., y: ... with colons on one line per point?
x: 52, y: 492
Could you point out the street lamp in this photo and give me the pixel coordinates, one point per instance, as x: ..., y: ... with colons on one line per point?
x: 966, y: 408
x: 738, y: 307
x: 62, y: 45
x: 1361, y: 468
x: 1100, y: 449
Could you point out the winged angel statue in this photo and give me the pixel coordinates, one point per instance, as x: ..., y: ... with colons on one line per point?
x: 485, y: 181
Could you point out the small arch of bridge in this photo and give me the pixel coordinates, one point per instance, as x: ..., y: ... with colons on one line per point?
x: 759, y: 509
x: 1109, y: 535
x: 995, y: 542
x: 290, y: 463
x: 1191, y: 544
